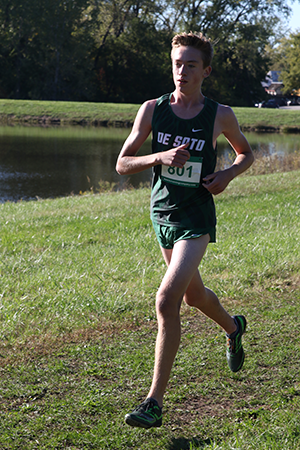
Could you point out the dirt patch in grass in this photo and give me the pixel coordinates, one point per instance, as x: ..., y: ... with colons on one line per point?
x: 37, y: 346
x: 198, y: 408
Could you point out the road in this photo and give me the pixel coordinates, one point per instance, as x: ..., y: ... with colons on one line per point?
x: 296, y: 107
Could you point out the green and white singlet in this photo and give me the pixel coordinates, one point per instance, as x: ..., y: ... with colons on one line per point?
x: 178, y: 198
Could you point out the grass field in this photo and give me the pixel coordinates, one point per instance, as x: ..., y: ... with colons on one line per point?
x: 66, y: 112
x: 12, y: 111
x: 78, y: 277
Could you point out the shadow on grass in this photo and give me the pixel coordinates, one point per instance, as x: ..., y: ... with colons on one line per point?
x: 188, y: 444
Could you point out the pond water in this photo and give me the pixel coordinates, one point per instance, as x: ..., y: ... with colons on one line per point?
x: 38, y: 162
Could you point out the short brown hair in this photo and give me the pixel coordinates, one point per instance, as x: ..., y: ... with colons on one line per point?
x: 198, y: 41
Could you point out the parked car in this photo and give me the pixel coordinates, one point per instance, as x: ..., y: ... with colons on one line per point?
x: 272, y: 103
x: 281, y: 101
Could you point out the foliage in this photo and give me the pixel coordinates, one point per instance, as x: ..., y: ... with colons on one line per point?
x: 286, y: 59
x: 135, y: 67
x: 220, y: 18
x: 43, y: 55
x: 100, y: 50
x: 237, y: 67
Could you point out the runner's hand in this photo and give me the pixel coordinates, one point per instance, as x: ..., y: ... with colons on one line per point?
x: 176, y: 157
x: 217, y: 182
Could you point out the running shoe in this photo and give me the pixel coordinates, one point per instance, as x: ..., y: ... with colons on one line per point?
x: 147, y: 415
x: 235, y: 353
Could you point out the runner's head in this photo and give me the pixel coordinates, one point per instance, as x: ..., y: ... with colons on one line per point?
x: 195, y: 40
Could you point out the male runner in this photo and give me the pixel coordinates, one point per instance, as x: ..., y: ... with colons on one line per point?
x: 185, y: 126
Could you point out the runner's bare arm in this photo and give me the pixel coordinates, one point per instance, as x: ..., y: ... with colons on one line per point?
x: 227, y: 124
x: 128, y: 163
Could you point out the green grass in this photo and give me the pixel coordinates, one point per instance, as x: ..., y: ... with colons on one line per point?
x: 78, y: 277
x: 120, y: 114
x: 66, y: 112
x: 264, y: 119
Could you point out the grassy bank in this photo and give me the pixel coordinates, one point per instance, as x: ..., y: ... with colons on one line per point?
x: 110, y: 114
x: 78, y: 277
x: 76, y: 113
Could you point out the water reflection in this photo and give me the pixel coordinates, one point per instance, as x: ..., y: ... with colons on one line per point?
x: 47, y: 163
x: 52, y: 162
x: 268, y: 144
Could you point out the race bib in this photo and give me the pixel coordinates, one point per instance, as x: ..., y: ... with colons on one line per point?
x: 189, y: 175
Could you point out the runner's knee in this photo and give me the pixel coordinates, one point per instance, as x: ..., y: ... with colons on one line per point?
x: 166, y: 304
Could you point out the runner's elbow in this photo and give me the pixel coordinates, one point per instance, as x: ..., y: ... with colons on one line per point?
x: 119, y: 168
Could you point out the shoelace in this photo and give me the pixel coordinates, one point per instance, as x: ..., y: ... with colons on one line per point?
x: 151, y: 404
x: 145, y: 406
x: 231, y: 344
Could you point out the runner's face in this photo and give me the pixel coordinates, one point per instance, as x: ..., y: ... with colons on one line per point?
x: 188, y: 71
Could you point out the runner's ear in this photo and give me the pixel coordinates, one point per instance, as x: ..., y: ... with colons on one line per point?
x: 207, y: 71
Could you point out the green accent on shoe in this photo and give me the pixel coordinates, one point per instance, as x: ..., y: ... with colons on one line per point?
x: 235, y: 353
x: 147, y: 415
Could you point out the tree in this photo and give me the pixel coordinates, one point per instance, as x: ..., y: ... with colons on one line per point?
x: 240, y: 29
x: 136, y: 66
x: 239, y: 65
x: 118, y: 50
x: 16, y: 34
x: 286, y: 58
x: 40, y: 45
x: 219, y: 17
